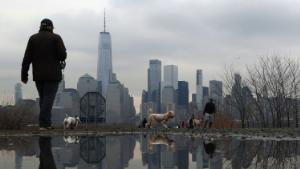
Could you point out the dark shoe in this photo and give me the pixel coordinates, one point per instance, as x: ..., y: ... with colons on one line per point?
x: 47, y: 128
x: 50, y: 128
x: 43, y: 128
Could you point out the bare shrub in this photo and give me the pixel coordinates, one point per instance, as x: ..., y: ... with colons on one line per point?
x: 12, y: 117
x: 272, y: 93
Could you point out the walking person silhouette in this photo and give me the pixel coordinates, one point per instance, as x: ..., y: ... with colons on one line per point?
x: 208, y: 112
x: 47, y: 53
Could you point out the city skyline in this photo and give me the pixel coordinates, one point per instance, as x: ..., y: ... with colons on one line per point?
x: 192, y: 35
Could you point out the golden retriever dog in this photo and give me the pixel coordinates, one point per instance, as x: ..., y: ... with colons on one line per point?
x: 160, y: 140
x: 159, y: 118
x: 198, y: 122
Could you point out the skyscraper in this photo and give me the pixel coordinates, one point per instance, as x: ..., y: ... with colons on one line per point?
x: 216, y: 92
x: 154, y: 82
x: 18, y: 93
x: 199, y: 90
x: 171, y: 76
x: 205, y: 94
x: 183, y: 94
x: 60, y: 90
x: 168, y: 99
x: 104, y: 67
x: 236, y: 94
x: 87, y: 83
x: 182, y: 106
x: 216, y: 89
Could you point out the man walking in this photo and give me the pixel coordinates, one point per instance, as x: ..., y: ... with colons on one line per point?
x: 47, y: 53
x: 208, y: 112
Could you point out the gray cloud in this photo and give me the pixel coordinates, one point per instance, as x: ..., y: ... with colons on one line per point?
x: 192, y: 34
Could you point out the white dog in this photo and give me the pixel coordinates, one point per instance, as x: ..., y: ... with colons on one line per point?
x: 71, y: 139
x: 71, y: 122
x: 159, y: 118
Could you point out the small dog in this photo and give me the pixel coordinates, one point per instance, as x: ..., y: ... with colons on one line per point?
x: 197, y: 122
x: 71, y: 139
x: 71, y: 122
x: 159, y: 118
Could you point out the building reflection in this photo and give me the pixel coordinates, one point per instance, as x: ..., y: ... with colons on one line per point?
x: 95, y: 152
x: 156, y: 152
x: 161, y: 154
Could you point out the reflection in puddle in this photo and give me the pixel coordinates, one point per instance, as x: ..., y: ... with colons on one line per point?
x: 146, y: 152
x: 46, y: 157
x: 158, y: 139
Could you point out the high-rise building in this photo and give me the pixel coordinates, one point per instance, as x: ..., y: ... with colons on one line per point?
x: 87, y: 83
x: 58, y: 96
x: 236, y: 95
x: 154, y: 82
x: 104, y: 67
x: 216, y: 92
x: 168, y: 99
x: 62, y: 85
x: 171, y: 76
x: 143, y: 107
x: 216, y: 89
x: 18, y: 93
x: 194, y: 97
x: 199, y: 90
x: 119, y: 104
x: 183, y: 93
x: 205, y: 94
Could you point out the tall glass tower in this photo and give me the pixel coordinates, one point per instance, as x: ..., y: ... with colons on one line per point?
x: 104, y: 66
x: 154, y: 82
x: 18, y: 93
x: 171, y: 76
x: 199, y: 90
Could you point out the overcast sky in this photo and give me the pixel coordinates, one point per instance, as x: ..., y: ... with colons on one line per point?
x: 193, y: 34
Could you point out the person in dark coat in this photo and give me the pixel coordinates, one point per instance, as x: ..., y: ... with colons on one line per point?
x: 144, y: 122
x: 208, y: 112
x: 47, y: 53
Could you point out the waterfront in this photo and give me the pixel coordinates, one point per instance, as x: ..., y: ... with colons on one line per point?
x: 147, y: 151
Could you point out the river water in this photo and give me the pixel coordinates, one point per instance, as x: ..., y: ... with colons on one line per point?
x: 146, y: 152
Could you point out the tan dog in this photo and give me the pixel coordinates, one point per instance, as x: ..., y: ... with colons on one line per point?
x: 198, y: 122
x: 159, y: 118
x: 160, y: 140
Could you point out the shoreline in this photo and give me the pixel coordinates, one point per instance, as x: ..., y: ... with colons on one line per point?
x: 250, y: 133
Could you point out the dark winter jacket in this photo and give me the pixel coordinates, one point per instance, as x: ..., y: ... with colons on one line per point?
x: 45, y: 50
x: 209, y: 108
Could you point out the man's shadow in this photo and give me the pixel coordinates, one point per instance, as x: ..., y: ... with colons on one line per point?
x: 46, y: 157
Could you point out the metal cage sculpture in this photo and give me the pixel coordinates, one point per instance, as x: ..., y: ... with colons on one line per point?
x: 92, y: 108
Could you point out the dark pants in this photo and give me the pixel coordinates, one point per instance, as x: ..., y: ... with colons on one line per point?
x: 47, y: 92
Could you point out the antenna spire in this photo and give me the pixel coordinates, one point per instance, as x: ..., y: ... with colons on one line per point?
x: 104, y: 21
